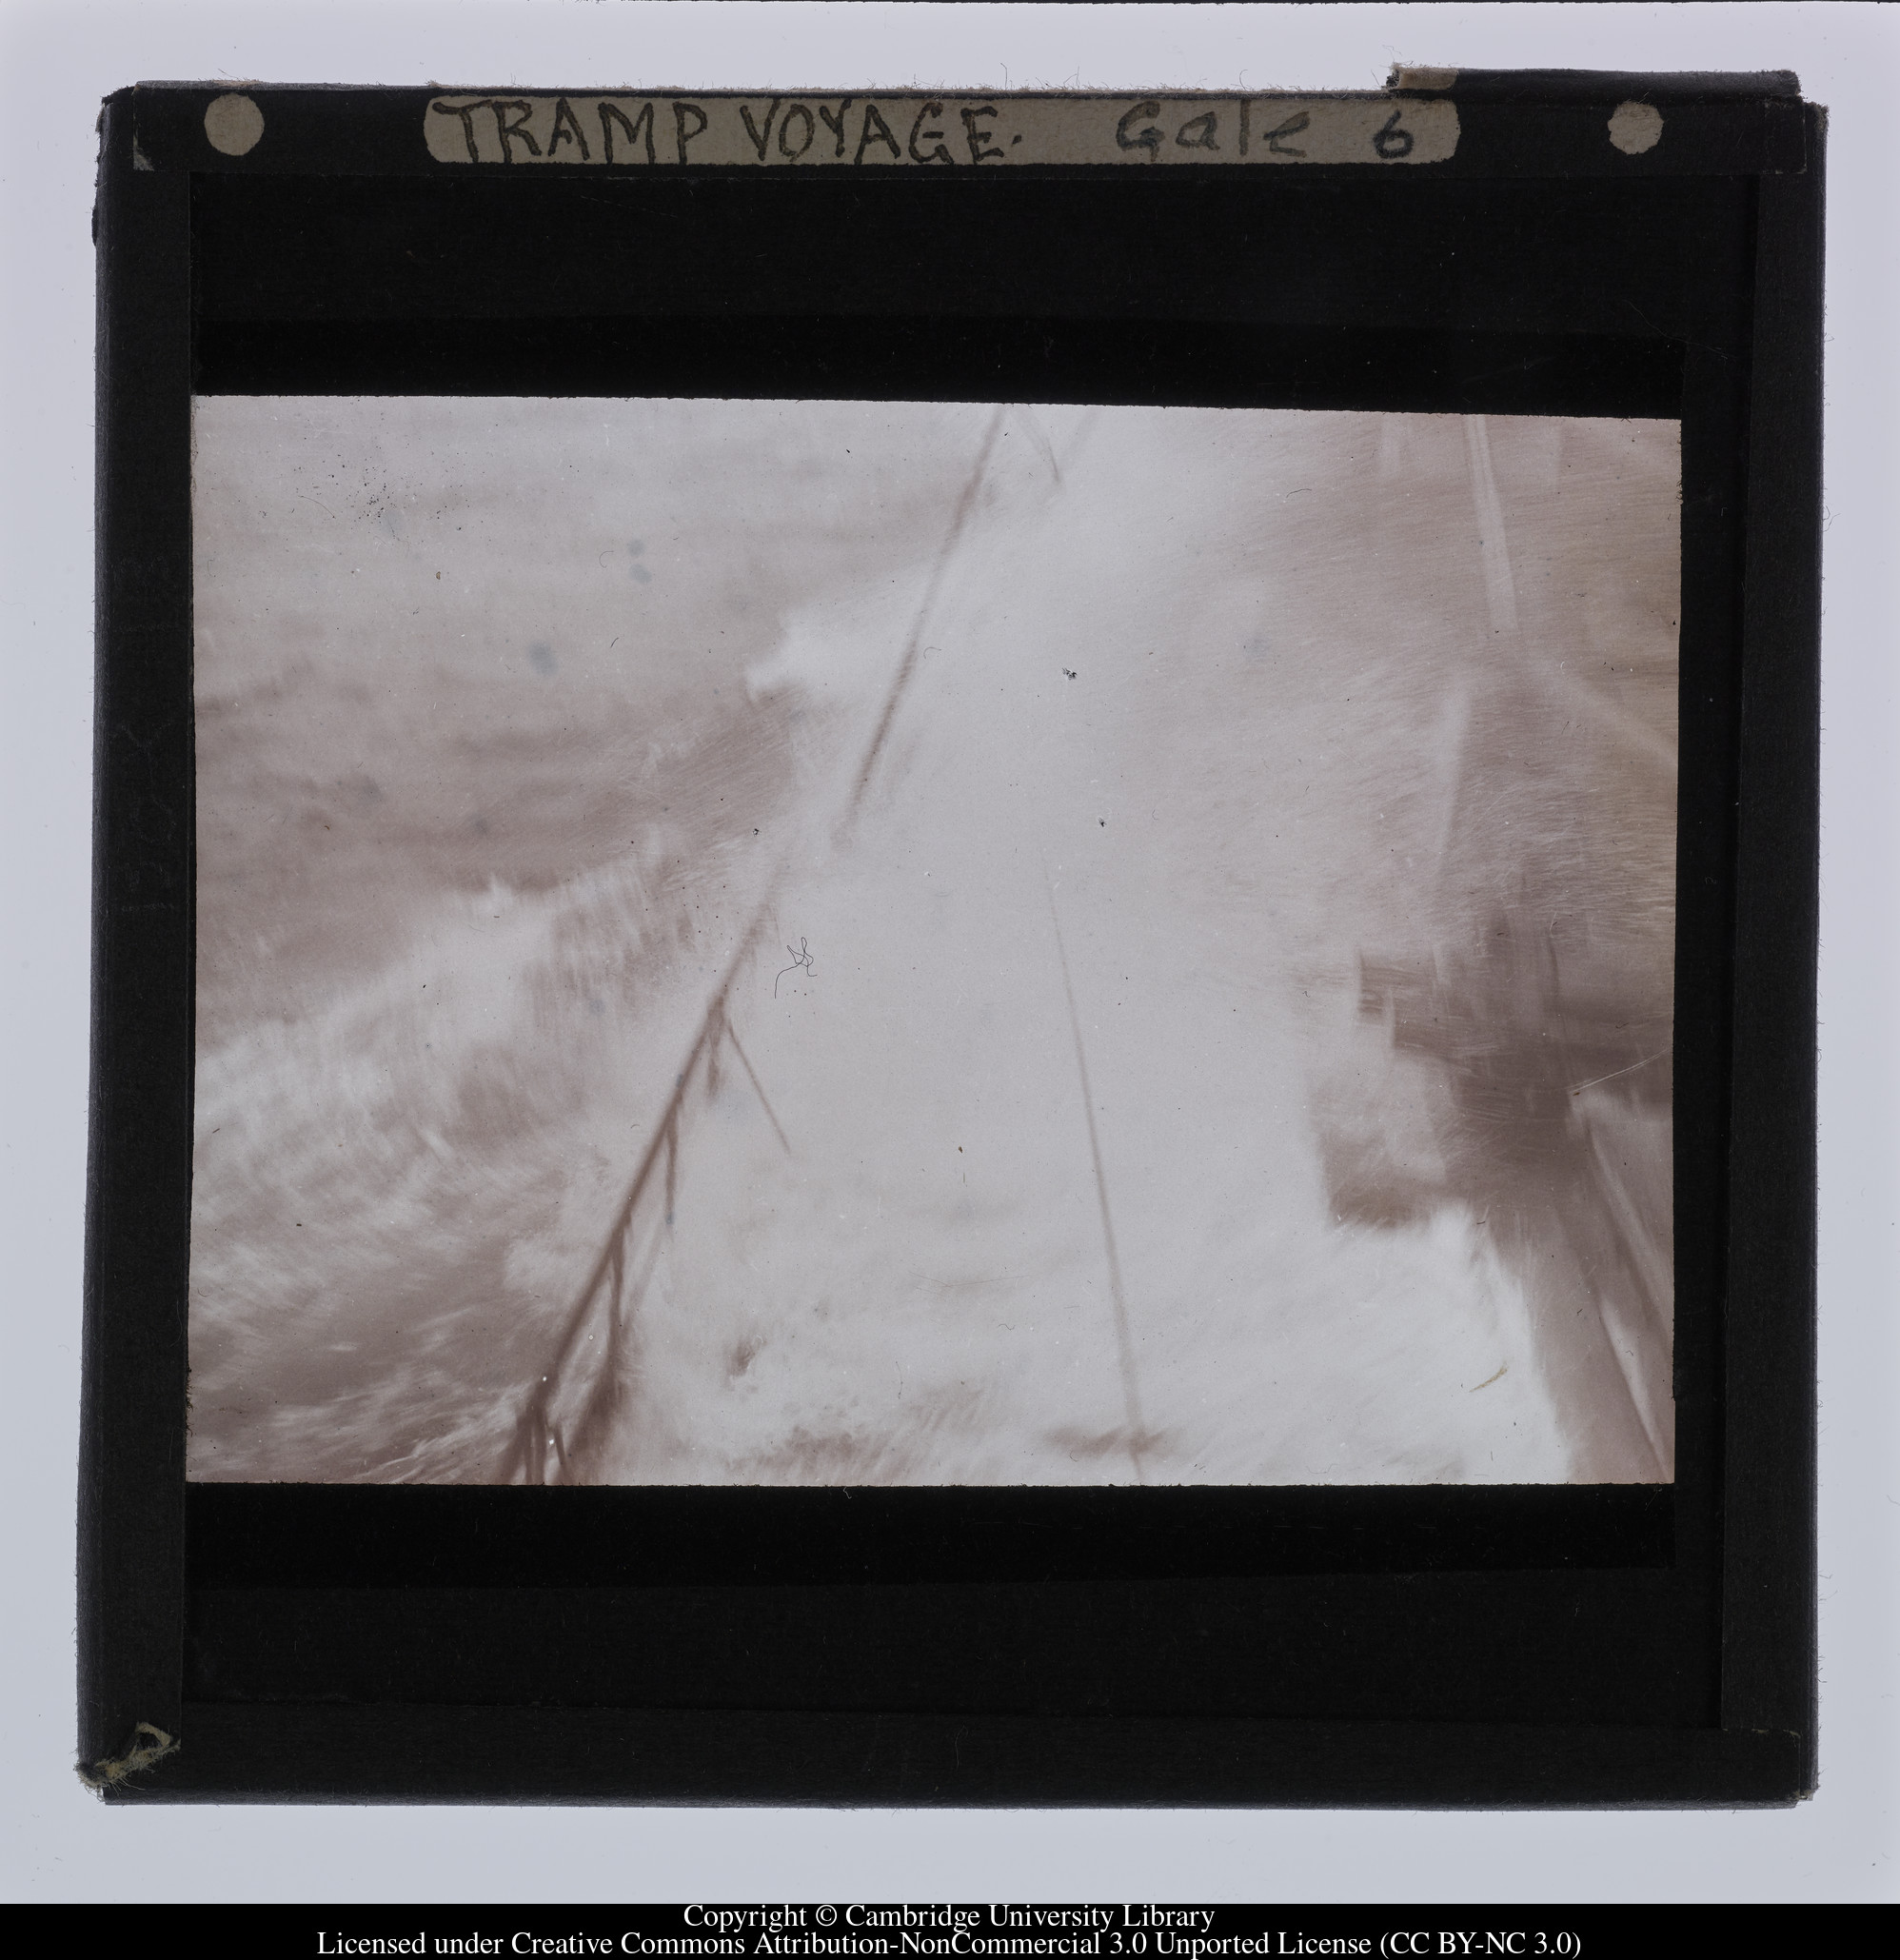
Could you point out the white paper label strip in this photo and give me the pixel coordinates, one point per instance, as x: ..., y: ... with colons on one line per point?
x: 937, y: 133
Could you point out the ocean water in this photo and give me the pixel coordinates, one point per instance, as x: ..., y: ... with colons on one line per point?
x: 1169, y: 1060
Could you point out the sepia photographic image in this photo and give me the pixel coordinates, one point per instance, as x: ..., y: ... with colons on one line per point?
x: 830, y: 942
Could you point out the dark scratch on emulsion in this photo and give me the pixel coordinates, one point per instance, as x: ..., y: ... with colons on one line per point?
x: 800, y: 956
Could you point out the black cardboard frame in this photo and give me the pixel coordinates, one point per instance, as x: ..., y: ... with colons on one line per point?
x: 1591, y: 1647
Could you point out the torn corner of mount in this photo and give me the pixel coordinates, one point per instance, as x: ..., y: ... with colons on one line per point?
x: 148, y: 1745
x: 1421, y: 80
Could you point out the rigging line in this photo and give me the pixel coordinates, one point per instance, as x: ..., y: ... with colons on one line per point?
x: 590, y: 1289
x: 1084, y: 429
x: 605, y: 1395
x: 1500, y: 589
x: 1501, y: 598
x: 907, y: 665
x: 751, y: 1076
x: 623, y: 1217
x: 712, y: 1020
x: 716, y: 1007
x: 714, y: 1016
x: 1124, y: 1339
x: 537, y: 1425
x: 616, y: 1296
x: 543, y: 1392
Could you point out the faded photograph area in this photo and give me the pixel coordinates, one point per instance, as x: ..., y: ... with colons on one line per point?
x: 787, y: 942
